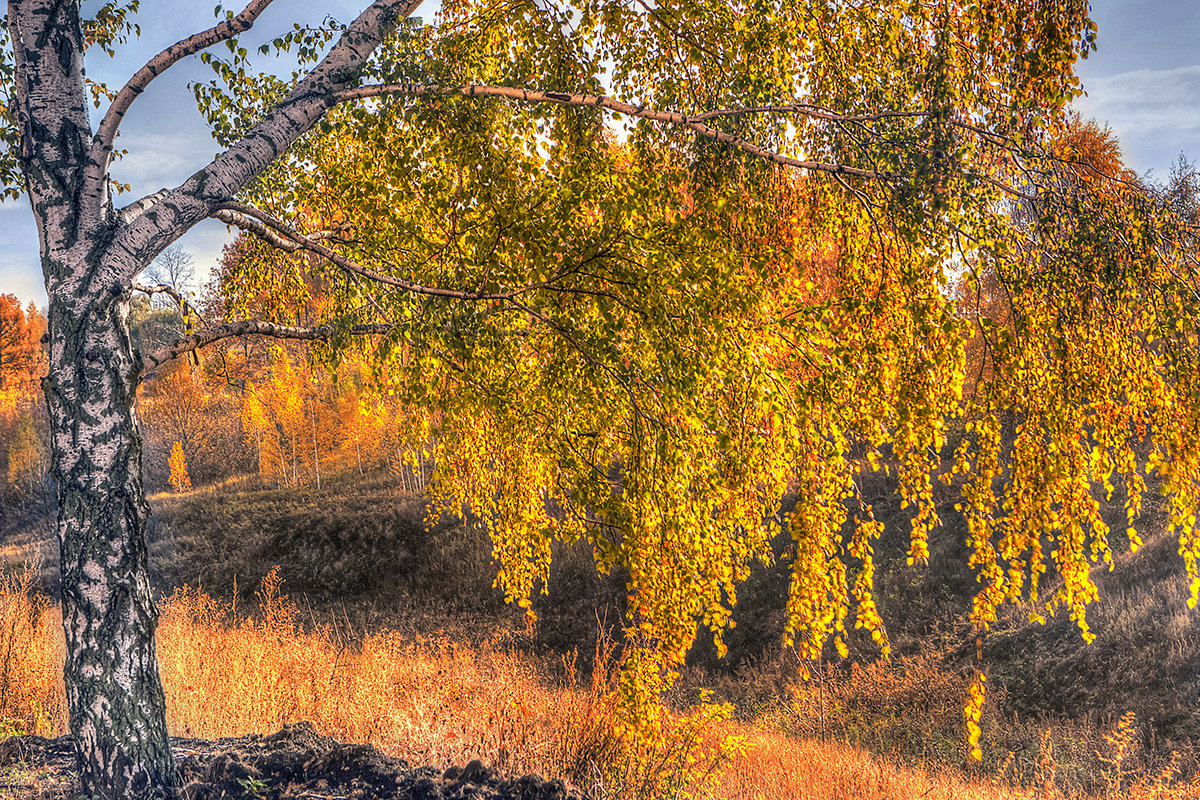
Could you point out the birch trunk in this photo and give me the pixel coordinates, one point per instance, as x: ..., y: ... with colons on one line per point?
x: 114, y: 696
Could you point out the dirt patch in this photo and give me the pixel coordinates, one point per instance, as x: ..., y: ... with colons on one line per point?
x: 294, y: 763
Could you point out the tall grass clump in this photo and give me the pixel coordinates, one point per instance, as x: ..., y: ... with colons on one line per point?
x: 31, y: 658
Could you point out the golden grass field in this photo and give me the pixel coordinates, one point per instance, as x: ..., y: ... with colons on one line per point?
x: 434, y: 700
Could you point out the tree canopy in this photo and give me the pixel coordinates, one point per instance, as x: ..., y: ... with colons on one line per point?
x: 645, y: 337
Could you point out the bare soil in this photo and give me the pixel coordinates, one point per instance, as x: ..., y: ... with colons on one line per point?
x: 296, y: 763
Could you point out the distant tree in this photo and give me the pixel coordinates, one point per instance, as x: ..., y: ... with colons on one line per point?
x: 290, y: 417
x: 26, y: 457
x: 20, y: 344
x: 1181, y: 192
x: 179, y: 480
x: 24, y: 448
x: 174, y: 267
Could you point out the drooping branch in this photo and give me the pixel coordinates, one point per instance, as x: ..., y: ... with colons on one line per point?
x: 693, y: 123
x: 589, y: 357
x: 819, y: 112
x: 153, y: 361
x: 290, y: 240
x: 696, y: 123
x: 106, y: 133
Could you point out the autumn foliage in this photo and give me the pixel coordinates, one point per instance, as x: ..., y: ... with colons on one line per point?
x: 179, y: 480
x: 24, y: 452
x: 20, y: 344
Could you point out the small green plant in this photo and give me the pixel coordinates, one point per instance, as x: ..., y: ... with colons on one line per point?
x: 252, y: 787
x: 10, y: 728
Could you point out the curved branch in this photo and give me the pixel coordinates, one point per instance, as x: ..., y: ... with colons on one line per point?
x: 161, y: 288
x: 173, y: 293
x: 693, y: 123
x: 252, y: 221
x: 106, y: 133
x: 252, y: 327
x: 810, y: 110
x: 290, y: 240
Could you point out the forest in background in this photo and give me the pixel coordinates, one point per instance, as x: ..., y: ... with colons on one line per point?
x: 256, y: 409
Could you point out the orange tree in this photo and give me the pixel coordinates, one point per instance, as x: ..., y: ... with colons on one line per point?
x: 22, y: 419
x: 20, y: 348
x: 621, y: 343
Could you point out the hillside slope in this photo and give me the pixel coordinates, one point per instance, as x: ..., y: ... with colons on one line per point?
x: 361, y: 554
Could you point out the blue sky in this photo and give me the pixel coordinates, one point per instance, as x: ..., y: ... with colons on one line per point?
x: 1144, y: 82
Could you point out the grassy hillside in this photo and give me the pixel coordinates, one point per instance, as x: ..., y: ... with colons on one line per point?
x: 363, y: 552
x: 434, y: 700
x: 358, y: 559
x: 360, y: 542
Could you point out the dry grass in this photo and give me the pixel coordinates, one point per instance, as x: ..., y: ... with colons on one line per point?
x: 438, y: 701
x: 31, y: 653
x: 431, y: 701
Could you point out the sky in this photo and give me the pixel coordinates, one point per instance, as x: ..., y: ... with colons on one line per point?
x: 165, y: 134
x: 1144, y: 81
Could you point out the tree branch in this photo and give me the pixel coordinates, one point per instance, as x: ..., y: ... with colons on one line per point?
x: 809, y: 110
x: 145, y: 237
x: 161, y: 288
x: 106, y: 133
x: 138, y: 207
x: 591, y: 359
x: 170, y: 291
x: 693, y: 123
x: 253, y: 327
x: 290, y: 240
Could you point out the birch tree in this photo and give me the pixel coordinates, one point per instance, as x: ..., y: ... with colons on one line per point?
x: 622, y: 341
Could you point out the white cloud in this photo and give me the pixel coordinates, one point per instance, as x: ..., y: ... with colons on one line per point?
x: 1155, y: 112
x: 158, y: 160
